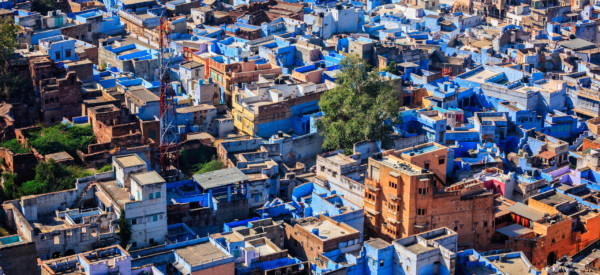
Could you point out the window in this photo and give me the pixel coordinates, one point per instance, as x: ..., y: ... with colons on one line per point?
x: 239, y: 118
x: 427, y: 166
x: 393, y: 184
x: 484, y: 223
x: 151, y: 241
x: 68, y: 53
x: 158, y: 195
x: 421, y: 212
x: 154, y: 218
x: 134, y: 221
x: 57, y: 55
x: 441, y: 161
x: 151, y: 196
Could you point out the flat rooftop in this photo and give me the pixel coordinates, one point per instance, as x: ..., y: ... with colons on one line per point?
x: 220, y: 178
x: 394, y: 162
x: 49, y: 223
x: 146, y: 178
x: 512, y: 265
x: 418, y: 248
x: 341, y: 159
x: 480, y: 77
x: 553, y: 198
x: 133, y: 2
x: 514, y: 230
x: 129, y: 161
x: 60, y: 156
x: 143, y: 95
x: 196, y: 108
x: 378, y: 243
x: 326, y: 229
x: 263, y: 247
x: 422, y: 149
x: 201, y: 253
x: 118, y: 194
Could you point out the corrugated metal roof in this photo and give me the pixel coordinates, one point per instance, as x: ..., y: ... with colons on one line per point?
x: 514, y: 230
x: 526, y: 211
x: 220, y: 178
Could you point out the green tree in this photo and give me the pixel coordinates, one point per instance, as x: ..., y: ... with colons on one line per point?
x: 14, y: 146
x: 62, y: 137
x: 10, y: 82
x: 8, y: 185
x: 105, y: 168
x: 190, y: 159
x: 391, y: 68
x: 361, y: 107
x: 124, y: 230
x: 8, y: 39
x: 210, y: 166
x: 44, y: 6
x: 51, y: 177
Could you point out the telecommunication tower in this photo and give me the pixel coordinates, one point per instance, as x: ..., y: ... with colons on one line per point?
x: 169, y: 153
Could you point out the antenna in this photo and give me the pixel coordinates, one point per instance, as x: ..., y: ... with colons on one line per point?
x: 169, y: 153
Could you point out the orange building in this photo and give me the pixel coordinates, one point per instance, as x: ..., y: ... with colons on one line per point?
x: 551, y: 226
x: 431, y: 156
x: 228, y: 73
x: 402, y: 199
x: 310, y: 237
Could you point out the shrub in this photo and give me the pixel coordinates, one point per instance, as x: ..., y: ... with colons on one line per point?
x: 14, y: 146
x: 62, y: 137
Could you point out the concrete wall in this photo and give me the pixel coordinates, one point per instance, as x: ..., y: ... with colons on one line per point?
x: 18, y: 258
x: 150, y: 214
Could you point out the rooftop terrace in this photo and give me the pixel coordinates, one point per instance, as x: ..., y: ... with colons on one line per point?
x: 324, y: 229
x: 419, y: 150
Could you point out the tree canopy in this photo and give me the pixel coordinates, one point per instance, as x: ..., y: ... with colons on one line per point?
x: 8, y: 39
x: 11, y: 83
x: 62, y: 137
x: 363, y: 106
x: 210, y: 166
x: 44, y: 6
x: 49, y: 177
x: 124, y: 230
